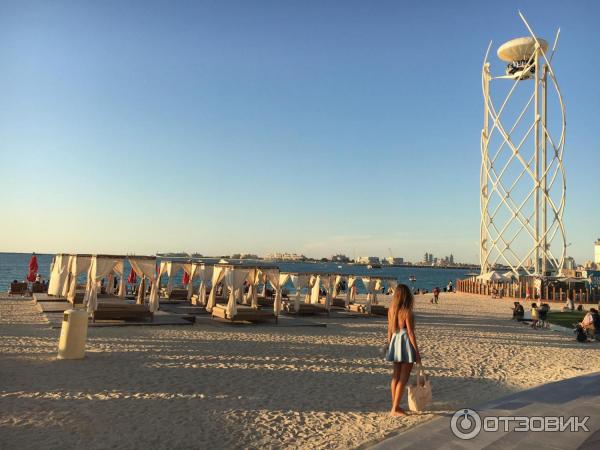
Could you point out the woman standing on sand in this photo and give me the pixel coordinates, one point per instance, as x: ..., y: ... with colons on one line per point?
x: 402, y: 345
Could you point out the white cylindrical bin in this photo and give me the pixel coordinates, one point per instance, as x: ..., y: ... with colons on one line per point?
x: 73, y: 334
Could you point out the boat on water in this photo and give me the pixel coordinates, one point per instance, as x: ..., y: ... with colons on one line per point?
x: 374, y: 266
x: 412, y: 278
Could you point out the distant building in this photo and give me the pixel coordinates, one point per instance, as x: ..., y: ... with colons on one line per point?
x: 394, y: 261
x: 244, y: 256
x: 368, y: 260
x: 451, y: 258
x: 285, y: 257
x: 597, y: 252
x: 340, y: 258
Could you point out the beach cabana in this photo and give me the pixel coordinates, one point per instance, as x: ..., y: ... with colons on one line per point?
x: 234, y: 278
x: 327, y: 281
x: 300, y: 281
x: 112, y: 307
x: 203, y: 272
x: 373, y: 286
x: 170, y: 268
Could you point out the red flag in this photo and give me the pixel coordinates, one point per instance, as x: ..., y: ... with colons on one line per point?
x: 186, y: 278
x: 33, y: 268
x: 132, y: 278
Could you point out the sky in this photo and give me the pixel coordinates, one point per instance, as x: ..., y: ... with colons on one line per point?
x: 314, y: 127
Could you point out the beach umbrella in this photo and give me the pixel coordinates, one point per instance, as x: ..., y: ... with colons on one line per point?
x: 33, y: 268
x: 186, y: 278
x: 132, y: 278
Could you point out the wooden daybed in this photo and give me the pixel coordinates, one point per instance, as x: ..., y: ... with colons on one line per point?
x: 305, y: 308
x: 176, y: 294
x: 18, y: 288
x: 120, y: 310
x: 376, y: 310
x: 244, y: 314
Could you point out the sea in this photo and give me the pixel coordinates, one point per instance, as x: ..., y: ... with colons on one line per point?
x: 14, y: 266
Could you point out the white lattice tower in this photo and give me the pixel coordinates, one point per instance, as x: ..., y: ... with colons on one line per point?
x: 522, y: 175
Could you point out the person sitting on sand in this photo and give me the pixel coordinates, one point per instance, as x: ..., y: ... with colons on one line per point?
x: 534, y: 315
x: 402, y: 347
x: 518, y: 311
x: 591, y: 322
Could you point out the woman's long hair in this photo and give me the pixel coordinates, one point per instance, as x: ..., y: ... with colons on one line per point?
x: 401, y: 305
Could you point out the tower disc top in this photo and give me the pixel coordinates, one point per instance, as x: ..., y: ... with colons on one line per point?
x: 520, y: 49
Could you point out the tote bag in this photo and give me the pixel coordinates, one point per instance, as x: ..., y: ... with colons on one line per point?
x: 419, y: 393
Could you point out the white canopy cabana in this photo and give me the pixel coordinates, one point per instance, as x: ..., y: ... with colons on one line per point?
x: 100, y: 267
x: 145, y: 267
x: 373, y: 286
x: 171, y: 268
x: 277, y: 280
x: 233, y: 277
x: 327, y: 280
x: 300, y: 281
x: 204, y: 273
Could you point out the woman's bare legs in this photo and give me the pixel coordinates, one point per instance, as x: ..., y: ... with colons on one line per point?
x: 394, y: 383
x: 405, y: 369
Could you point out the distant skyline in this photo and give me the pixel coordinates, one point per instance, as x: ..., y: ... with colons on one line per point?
x: 308, y: 127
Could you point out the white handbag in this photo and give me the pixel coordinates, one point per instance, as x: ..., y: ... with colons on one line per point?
x: 419, y: 393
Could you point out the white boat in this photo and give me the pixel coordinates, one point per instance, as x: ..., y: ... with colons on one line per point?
x: 412, y: 278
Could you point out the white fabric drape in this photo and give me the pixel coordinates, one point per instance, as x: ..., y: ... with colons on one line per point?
x: 172, y: 269
x: 315, y: 283
x: 77, y: 266
x: 327, y: 281
x: 350, y: 290
x: 253, y: 279
x: 58, y: 275
x: 147, y: 268
x: 190, y: 269
x: 338, y: 280
x: 300, y: 281
x: 234, y: 280
x: 120, y: 271
x: 277, y: 280
x: 205, y: 273
x: 100, y: 267
x: 217, y: 276
x: 370, y: 287
x: 376, y: 290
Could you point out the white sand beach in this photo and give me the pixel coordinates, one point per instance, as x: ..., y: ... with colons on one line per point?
x: 220, y: 386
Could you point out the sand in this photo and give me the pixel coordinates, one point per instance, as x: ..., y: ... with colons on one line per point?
x: 223, y: 386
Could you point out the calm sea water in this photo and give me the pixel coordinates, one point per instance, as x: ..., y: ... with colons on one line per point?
x: 14, y: 266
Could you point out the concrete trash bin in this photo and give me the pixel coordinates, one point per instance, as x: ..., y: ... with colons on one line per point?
x: 73, y: 334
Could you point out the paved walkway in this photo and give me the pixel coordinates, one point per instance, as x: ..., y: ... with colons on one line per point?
x: 578, y: 396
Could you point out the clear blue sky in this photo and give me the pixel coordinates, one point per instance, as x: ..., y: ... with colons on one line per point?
x: 257, y: 126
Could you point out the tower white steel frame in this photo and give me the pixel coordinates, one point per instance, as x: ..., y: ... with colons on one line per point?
x: 522, y: 175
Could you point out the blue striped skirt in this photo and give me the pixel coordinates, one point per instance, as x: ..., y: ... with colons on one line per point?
x: 400, y: 348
